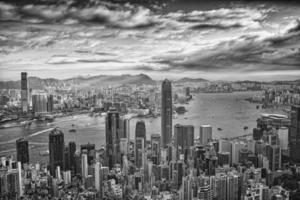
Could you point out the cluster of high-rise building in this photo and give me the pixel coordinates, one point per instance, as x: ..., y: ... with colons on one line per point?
x: 177, y: 163
x: 36, y: 102
x: 281, y: 97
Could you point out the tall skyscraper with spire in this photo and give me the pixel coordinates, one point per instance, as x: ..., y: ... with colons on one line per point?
x: 112, y: 138
x: 166, y: 112
x: 24, y: 92
x: 56, y: 150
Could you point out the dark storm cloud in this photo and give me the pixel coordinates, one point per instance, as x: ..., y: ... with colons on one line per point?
x: 104, y: 13
x: 129, y: 16
x: 290, y: 36
x: 246, y: 53
x: 224, y: 18
x: 216, y: 26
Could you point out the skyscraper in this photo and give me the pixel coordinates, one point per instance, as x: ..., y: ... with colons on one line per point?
x: 211, y: 160
x: 125, y: 127
x: 273, y: 153
x: 84, y: 164
x: 22, y: 150
x: 205, y: 134
x: 294, y: 137
x: 139, y: 152
x: 66, y: 159
x: 72, y: 150
x: 166, y: 112
x: 187, y: 193
x: 56, y: 150
x: 236, y: 147
x: 140, y: 130
x: 50, y: 103
x: 97, y: 176
x: 90, y: 148
x: 13, y: 186
x: 155, y: 148
x: 184, y: 138
x: 24, y: 92
x: 39, y: 103
x: 112, y: 138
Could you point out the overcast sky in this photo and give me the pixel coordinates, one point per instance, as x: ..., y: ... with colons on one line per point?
x: 216, y: 41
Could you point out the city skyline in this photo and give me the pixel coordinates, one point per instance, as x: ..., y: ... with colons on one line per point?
x: 222, y: 41
x: 174, y: 165
x: 149, y: 99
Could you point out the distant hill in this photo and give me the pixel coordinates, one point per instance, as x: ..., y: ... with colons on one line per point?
x: 33, y: 82
x: 284, y: 82
x: 101, y: 80
x: 193, y: 80
x: 294, y: 82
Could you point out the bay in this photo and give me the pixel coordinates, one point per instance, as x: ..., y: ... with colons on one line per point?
x: 228, y: 111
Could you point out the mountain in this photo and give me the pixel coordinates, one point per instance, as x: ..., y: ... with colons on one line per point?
x: 106, y: 80
x: 193, y: 80
x: 101, y: 80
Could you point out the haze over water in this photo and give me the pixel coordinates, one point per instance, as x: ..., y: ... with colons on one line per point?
x: 228, y: 111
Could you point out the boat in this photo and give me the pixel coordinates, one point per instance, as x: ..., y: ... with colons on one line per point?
x: 27, y: 122
x: 9, y: 125
x: 49, y: 117
x: 180, y: 110
x: 219, y: 129
x: 44, y: 153
x: 245, y: 127
x: 72, y: 130
x: 5, y: 120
